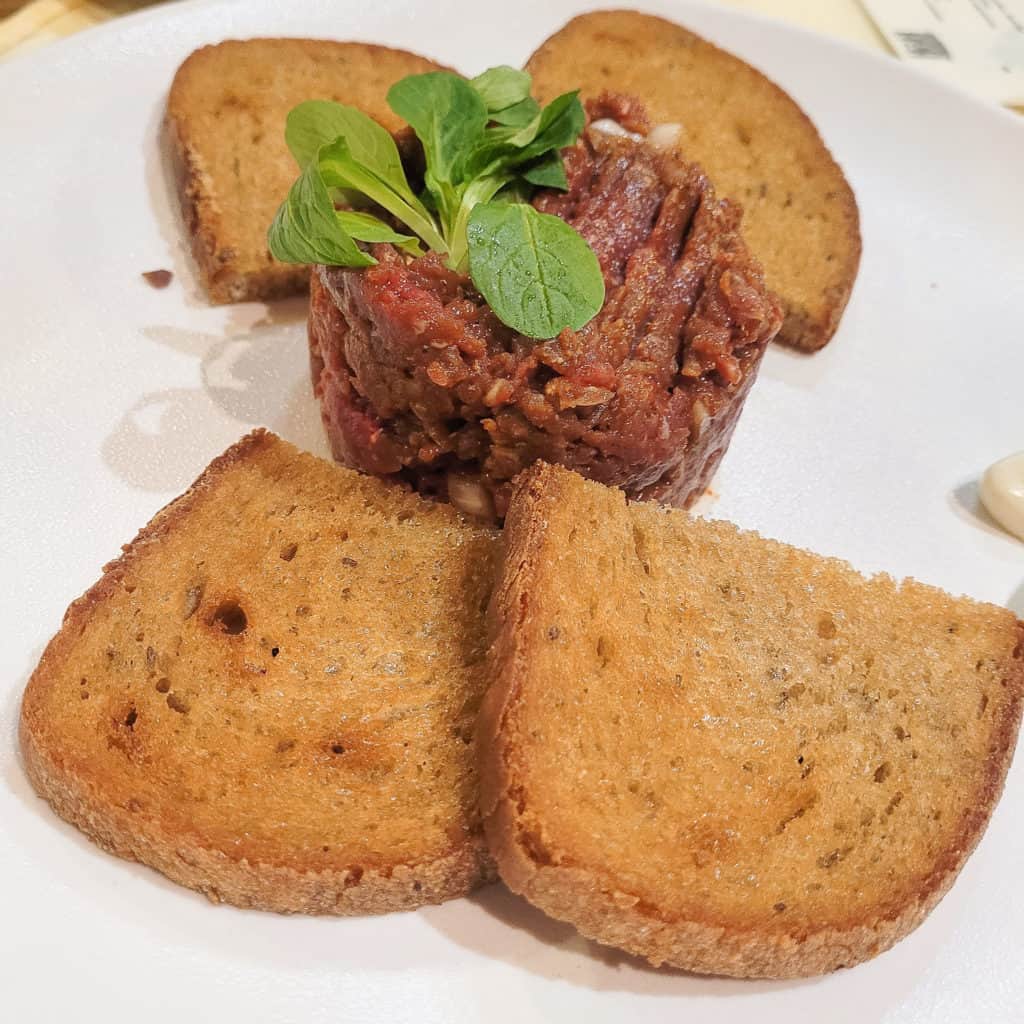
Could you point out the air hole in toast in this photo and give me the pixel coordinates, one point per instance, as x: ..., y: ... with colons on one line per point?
x: 131, y: 718
x: 163, y: 685
x: 231, y: 618
x: 288, y: 552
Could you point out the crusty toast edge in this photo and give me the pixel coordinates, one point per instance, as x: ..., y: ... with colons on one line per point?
x: 600, y: 907
x: 182, y: 857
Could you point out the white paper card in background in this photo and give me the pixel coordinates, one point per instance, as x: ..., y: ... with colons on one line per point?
x: 976, y: 44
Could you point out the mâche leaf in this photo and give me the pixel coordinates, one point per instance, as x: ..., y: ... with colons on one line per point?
x: 364, y: 227
x: 488, y: 145
x: 318, y: 123
x: 536, y: 273
x: 518, y: 115
x: 446, y: 113
x: 547, y: 172
x: 480, y: 190
x: 502, y: 87
x: 306, y: 229
x: 560, y: 124
x: 340, y: 169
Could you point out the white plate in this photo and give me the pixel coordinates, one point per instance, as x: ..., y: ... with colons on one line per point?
x: 116, y: 395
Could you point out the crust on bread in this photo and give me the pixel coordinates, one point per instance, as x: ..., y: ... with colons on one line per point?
x: 221, y: 277
x: 600, y: 906
x: 627, y: 51
x: 136, y: 834
x: 282, y: 888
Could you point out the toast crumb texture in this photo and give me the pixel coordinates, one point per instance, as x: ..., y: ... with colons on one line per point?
x: 225, y: 135
x: 755, y: 143
x: 726, y: 754
x: 270, y: 695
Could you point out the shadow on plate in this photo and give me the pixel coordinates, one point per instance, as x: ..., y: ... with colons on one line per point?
x: 803, y: 370
x: 513, y: 930
x: 965, y: 501
x: 1015, y: 602
x: 253, y: 371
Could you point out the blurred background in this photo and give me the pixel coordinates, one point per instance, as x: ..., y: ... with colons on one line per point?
x: 33, y: 24
x: 977, y: 45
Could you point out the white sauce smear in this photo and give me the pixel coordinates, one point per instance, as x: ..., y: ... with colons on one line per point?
x: 611, y: 127
x: 1002, y: 493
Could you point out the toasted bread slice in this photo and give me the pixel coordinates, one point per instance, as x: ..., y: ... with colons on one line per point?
x: 723, y: 753
x: 756, y: 144
x: 270, y: 695
x: 225, y: 129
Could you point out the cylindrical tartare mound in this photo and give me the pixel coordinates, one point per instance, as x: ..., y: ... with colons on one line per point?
x: 418, y: 379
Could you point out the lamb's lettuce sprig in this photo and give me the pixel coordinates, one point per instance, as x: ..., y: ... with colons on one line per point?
x: 488, y: 144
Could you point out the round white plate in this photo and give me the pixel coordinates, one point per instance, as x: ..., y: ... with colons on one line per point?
x: 116, y: 396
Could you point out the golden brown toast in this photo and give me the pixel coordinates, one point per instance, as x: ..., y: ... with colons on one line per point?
x: 225, y: 130
x: 270, y: 695
x: 726, y: 754
x: 756, y: 144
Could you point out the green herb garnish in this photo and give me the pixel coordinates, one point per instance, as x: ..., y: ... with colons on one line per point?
x: 488, y: 145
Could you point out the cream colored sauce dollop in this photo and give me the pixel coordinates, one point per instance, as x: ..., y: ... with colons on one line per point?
x: 1002, y: 493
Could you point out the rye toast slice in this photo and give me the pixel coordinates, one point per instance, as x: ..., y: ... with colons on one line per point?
x: 726, y: 754
x: 225, y: 133
x: 758, y: 147
x: 270, y: 695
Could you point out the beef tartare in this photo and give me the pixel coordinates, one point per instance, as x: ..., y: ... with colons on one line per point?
x: 418, y: 379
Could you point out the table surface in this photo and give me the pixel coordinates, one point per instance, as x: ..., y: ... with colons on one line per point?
x: 27, y: 26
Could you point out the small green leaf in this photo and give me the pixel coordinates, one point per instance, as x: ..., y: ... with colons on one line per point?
x: 480, y: 190
x: 517, y: 116
x: 306, y: 229
x: 318, y: 123
x: 560, y: 124
x: 516, y: 191
x: 536, y: 273
x: 502, y: 87
x: 341, y: 170
x: 364, y: 227
x: 447, y: 114
x: 547, y: 172
x: 505, y: 147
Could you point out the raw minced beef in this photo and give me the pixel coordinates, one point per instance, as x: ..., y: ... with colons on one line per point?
x: 418, y: 379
